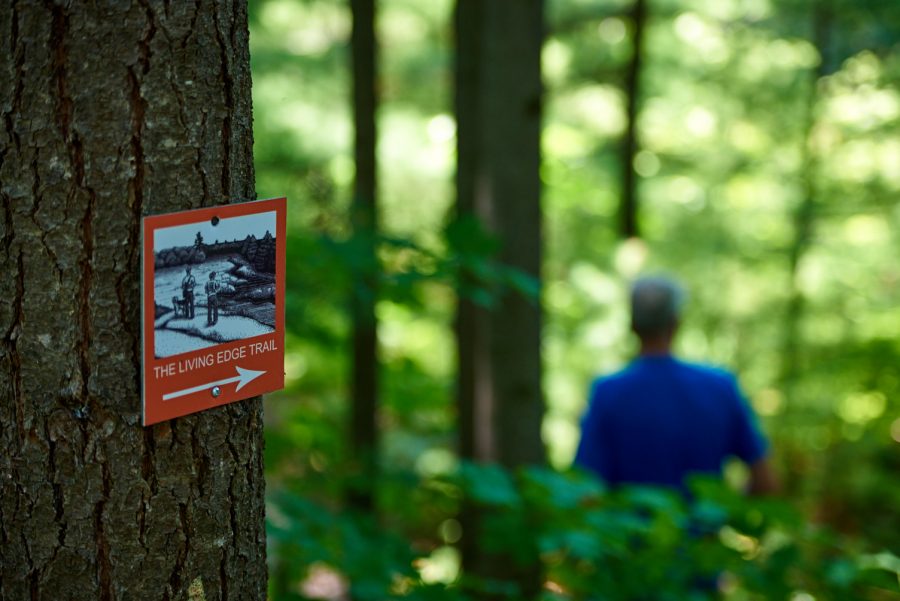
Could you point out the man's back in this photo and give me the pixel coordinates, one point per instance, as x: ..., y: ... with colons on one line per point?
x: 661, y: 419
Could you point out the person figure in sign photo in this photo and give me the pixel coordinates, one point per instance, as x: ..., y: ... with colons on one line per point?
x: 212, y: 299
x: 662, y: 419
x: 188, y: 283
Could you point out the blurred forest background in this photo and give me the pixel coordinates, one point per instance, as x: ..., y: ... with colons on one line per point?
x: 750, y: 147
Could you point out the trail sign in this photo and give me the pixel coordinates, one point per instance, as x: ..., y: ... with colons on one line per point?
x: 213, y: 307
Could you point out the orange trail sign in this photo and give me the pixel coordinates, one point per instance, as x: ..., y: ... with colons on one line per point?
x: 213, y: 307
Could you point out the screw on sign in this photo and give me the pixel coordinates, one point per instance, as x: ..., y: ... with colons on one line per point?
x: 213, y: 307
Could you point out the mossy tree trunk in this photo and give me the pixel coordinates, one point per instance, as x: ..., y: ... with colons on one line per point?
x: 109, y: 112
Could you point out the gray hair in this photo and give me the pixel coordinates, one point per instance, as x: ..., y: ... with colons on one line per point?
x: 655, y: 305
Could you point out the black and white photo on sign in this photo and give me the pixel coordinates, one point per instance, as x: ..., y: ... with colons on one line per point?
x: 213, y: 282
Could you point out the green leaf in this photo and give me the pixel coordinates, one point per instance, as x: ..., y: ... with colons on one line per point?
x: 489, y: 484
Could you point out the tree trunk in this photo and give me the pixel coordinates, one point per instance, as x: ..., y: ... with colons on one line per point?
x: 364, y: 389
x: 628, y: 211
x: 109, y: 114
x: 805, y: 213
x: 498, y: 106
x: 499, y: 112
x: 471, y: 322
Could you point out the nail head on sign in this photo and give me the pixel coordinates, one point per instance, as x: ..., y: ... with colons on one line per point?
x: 216, y: 391
x: 215, y: 221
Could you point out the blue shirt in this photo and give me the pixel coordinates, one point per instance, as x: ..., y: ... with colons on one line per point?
x: 661, y: 419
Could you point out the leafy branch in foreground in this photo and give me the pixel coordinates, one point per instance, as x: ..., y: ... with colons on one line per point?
x: 593, y: 543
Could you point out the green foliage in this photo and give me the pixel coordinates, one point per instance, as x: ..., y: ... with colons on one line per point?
x: 592, y: 543
x: 305, y: 536
x: 477, y: 276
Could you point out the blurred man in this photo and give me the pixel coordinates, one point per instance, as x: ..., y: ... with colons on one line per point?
x: 661, y: 419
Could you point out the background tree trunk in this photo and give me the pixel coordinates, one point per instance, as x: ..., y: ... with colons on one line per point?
x: 364, y: 389
x: 471, y: 322
x: 628, y: 212
x: 498, y: 105
x: 109, y: 114
x: 805, y: 212
x: 499, y: 116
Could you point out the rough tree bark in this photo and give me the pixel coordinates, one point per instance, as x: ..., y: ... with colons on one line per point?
x: 111, y: 111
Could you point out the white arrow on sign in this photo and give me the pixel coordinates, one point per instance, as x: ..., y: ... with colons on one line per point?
x: 244, y: 377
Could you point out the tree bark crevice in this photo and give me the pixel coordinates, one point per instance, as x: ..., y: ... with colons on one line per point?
x: 17, y: 51
x: 104, y: 566
x: 233, y: 518
x: 58, y: 500
x: 228, y: 89
x: 12, y: 343
x: 138, y: 106
x: 149, y: 490
x: 180, y: 564
x: 201, y: 461
x: 193, y: 23
x: 54, y: 258
x: 9, y: 233
x: 198, y: 164
x: 59, y: 86
x: 144, y: 45
x: 84, y: 300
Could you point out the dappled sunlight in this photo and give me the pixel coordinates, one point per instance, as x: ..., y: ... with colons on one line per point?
x: 565, y: 141
x: 436, y: 462
x: 295, y: 365
x: 768, y: 402
x: 563, y: 434
x: 704, y: 35
x: 612, y: 30
x: 416, y: 166
x: 407, y: 333
x: 890, y: 163
x: 555, y: 61
x: 441, y: 129
x: 305, y: 28
x: 862, y: 407
x: 631, y: 257
x: 342, y: 170
x: 442, y: 565
x: 867, y: 230
x: 646, y: 163
x: 778, y: 58
x: 701, y: 122
x: 597, y: 108
x: 748, y: 137
x: 601, y: 288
